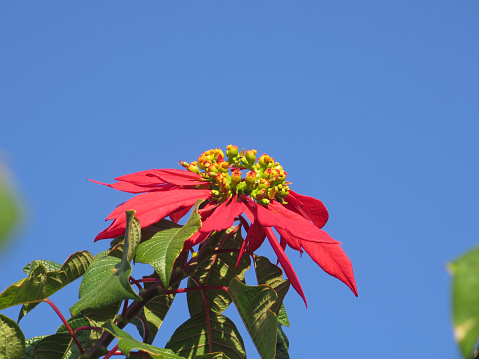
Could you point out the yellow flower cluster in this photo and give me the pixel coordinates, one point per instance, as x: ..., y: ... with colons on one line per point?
x: 264, y: 181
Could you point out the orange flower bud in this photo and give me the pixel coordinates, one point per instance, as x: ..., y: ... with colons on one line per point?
x: 250, y: 178
x: 265, y: 160
x: 231, y: 151
x: 251, y: 156
x: 236, y: 177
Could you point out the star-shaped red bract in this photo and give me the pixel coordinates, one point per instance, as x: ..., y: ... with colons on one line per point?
x: 262, y: 195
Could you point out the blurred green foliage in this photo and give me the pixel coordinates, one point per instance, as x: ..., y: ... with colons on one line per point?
x: 465, y: 301
x: 9, y: 207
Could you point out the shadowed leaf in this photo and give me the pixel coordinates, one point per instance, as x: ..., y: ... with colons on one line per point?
x: 253, y: 304
x: 191, y: 338
x: 272, y: 275
x: 154, y: 312
x: 219, y: 270
x: 30, y: 346
x: 126, y: 343
x: 282, y: 345
x: 212, y: 356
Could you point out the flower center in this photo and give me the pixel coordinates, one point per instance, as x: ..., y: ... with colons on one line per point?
x: 264, y: 179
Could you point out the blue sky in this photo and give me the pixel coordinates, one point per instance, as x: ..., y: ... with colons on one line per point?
x: 371, y: 107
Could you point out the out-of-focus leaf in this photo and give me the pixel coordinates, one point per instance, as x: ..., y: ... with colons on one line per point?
x: 219, y: 270
x: 191, y: 338
x: 12, y: 342
x: 162, y: 250
x: 106, y: 281
x: 126, y: 343
x: 253, y: 304
x: 9, y: 208
x: 465, y: 298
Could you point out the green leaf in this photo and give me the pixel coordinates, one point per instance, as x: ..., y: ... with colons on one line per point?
x: 106, y: 281
x: 272, y: 275
x: 12, y: 342
x: 27, y: 290
x: 58, y: 276
x: 40, y: 283
x: 53, y: 346
x: 282, y: 345
x: 162, y: 250
x: 61, y: 345
x: 212, y: 356
x: 191, y: 338
x: 282, y: 316
x: 30, y: 346
x: 253, y: 304
x: 126, y: 343
x: 50, y: 266
x: 219, y: 270
x: 154, y: 312
x: 83, y: 336
x: 465, y: 295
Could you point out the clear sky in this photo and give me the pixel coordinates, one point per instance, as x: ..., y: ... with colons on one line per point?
x: 370, y: 106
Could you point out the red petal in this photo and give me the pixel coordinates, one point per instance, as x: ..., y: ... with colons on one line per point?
x: 247, y: 211
x: 179, y: 177
x: 223, y: 216
x: 332, y: 259
x: 167, y: 175
x: 287, y: 238
x: 142, y: 178
x: 196, y: 238
x: 151, y: 207
x: 313, y: 208
x: 177, y: 215
x: 255, y: 236
x: 133, y: 188
x: 278, y: 216
x: 285, y: 263
x: 241, y: 252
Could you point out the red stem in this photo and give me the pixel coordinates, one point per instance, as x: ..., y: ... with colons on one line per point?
x: 244, y: 223
x: 195, y: 289
x: 125, y: 307
x: 207, y: 313
x: 136, y: 282
x: 70, y: 330
x: 147, y: 280
x: 112, y: 352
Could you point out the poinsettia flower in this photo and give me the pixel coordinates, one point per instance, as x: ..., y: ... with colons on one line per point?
x: 262, y: 195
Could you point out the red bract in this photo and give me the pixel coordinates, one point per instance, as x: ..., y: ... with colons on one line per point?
x: 263, y: 196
